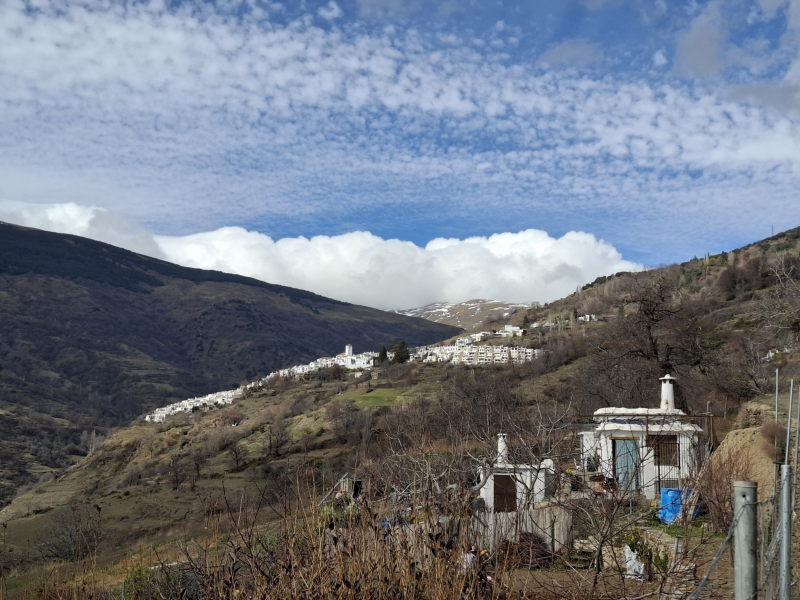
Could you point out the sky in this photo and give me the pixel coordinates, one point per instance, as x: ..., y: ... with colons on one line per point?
x: 400, y: 152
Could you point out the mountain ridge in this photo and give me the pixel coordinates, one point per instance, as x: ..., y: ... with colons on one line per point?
x: 702, y: 320
x: 92, y: 335
x: 469, y: 315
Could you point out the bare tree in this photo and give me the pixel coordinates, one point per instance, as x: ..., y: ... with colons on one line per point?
x: 176, y: 469
x: 199, y: 458
x: 238, y: 456
x: 276, y: 437
x: 76, y: 534
x: 780, y: 307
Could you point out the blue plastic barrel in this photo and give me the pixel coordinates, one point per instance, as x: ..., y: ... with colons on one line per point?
x: 671, y: 502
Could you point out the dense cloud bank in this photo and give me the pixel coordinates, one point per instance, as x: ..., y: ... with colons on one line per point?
x: 358, y: 266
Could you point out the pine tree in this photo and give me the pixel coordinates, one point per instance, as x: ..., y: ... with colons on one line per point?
x: 401, y: 353
x: 383, y: 356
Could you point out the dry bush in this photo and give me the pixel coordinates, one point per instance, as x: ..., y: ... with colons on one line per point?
x: 341, y: 551
x: 774, y: 440
x: 220, y: 440
x: 76, y: 534
x: 726, y: 465
x: 231, y: 415
x: 529, y: 551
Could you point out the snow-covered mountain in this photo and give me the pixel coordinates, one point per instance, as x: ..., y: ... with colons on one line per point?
x: 469, y: 315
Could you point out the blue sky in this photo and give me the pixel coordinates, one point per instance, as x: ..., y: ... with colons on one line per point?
x: 662, y: 129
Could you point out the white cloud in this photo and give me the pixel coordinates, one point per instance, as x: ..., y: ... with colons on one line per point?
x: 659, y: 59
x: 360, y: 267
x: 770, y: 6
x: 600, y: 4
x: 85, y: 221
x: 572, y: 52
x: 330, y: 11
x: 792, y: 10
x: 397, y: 9
x: 793, y: 17
x: 699, y: 50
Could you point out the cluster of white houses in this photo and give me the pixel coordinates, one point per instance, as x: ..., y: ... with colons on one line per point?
x: 347, y: 360
x: 476, y: 355
x: 464, y: 351
x: 589, y: 318
x: 210, y: 401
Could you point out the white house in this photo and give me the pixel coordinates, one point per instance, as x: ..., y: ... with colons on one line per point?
x: 482, y: 336
x: 644, y: 449
x: 510, y: 331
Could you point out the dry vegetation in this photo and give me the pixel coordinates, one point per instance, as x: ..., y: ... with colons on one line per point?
x: 229, y: 495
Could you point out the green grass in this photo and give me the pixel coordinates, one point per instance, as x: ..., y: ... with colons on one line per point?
x: 379, y: 397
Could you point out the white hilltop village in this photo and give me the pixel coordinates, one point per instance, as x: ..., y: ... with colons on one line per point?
x: 465, y: 351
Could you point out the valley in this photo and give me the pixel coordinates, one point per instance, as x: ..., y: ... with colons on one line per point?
x: 284, y: 447
x: 93, y: 336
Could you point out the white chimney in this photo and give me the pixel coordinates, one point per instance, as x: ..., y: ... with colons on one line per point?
x: 502, y: 449
x: 667, y: 392
x: 348, y: 350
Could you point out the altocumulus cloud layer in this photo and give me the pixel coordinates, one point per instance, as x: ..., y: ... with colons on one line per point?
x: 303, y: 117
x: 360, y: 267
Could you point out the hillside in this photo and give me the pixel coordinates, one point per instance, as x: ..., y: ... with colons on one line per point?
x: 470, y: 315
x: 92, y: 336
x: 722, y: 324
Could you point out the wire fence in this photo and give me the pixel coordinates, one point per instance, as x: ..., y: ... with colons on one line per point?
x: 769, y: 539
x: 726, y: 544
x: 769, y: 532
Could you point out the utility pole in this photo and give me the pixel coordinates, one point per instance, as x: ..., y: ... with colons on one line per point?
x: 785, y: 524
x: 745, y: 539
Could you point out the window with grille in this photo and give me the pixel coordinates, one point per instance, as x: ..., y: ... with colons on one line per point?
x: 665, y: 450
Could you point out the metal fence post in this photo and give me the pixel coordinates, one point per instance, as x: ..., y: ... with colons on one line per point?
x: 745, y: 557
x: 789, y: 422
x: 785, y: 524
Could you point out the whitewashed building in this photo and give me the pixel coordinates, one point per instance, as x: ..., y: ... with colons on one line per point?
x: 515, y: 499
x: 509, y: 487
x: 509, y: 331
x: 644, y: 449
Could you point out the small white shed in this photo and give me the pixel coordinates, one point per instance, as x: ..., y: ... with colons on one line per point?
x: 644, y: 449
x: 516, y: 497
x: 510, y: 487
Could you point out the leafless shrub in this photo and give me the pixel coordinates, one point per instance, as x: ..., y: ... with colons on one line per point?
x: 177, y: 470
x: 342, y: 551
x: 238, y: 455
x: 529, y: 551
x: 275, y: 437
x: 780, y: 307
x: 714, y: 483
x: 76, y: 534
x: 774, y: 440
